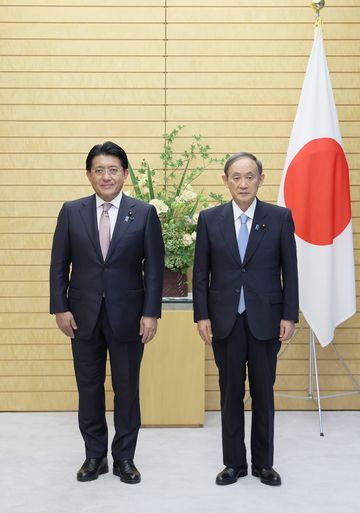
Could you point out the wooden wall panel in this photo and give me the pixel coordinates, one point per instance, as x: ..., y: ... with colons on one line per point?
x: 76, y: 73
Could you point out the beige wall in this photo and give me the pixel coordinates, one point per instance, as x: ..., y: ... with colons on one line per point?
x: 75, y: 74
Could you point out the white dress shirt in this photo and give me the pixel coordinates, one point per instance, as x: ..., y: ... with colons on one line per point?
x: 237, y: 213
x: 113, y: 211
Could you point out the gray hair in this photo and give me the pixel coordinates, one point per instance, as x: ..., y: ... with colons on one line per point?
x: 242, y: 155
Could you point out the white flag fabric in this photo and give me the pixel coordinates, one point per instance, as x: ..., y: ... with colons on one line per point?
x: 315, y: 186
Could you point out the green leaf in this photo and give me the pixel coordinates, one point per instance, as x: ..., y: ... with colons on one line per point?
x: 150, y: 183
x: 192, y: 212
x: 134, y: 181
x: 181, y: 181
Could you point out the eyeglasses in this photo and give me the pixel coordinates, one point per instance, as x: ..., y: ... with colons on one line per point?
x: 113, y: 171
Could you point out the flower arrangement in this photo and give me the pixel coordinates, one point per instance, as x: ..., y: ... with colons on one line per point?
x: 172, y: 194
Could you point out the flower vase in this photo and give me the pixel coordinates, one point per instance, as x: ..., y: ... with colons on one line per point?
x: 175, y: 284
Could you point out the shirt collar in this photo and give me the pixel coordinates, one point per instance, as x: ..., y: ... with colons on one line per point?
x: 115, y: 202
x: 249, y: 212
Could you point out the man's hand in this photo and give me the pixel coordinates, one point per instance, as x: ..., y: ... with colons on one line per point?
x: 66, y: 322
x: 287, y: 329
x: 205, y: 331
x: 148, y: 327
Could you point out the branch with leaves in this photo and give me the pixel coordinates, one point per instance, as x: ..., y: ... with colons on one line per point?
x: 174, y: 198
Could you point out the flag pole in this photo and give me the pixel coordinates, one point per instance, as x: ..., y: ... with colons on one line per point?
x: 317, y: 5
x: 313, y: 370
x: 313, y: 367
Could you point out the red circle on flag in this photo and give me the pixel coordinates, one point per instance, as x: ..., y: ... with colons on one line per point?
x: 316, y: 189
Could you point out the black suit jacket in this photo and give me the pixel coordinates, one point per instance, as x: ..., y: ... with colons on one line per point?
x: 130, y: 279
x: 268, y: 272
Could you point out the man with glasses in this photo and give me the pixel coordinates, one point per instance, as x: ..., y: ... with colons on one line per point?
x: 106, y: 277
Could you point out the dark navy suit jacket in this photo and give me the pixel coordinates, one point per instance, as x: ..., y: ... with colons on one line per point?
x: 130, y: 279
x: 268, y: 272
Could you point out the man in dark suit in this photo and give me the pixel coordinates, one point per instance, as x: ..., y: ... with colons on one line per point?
x: 245, y: 290
x: 106, y: 276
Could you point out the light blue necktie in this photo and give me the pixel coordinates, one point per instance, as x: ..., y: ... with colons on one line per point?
x: 242, y: 243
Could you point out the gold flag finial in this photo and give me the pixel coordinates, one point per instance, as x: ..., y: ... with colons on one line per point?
x: 318, y: 5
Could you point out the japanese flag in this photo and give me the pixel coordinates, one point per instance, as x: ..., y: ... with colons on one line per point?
x: 315, y: 186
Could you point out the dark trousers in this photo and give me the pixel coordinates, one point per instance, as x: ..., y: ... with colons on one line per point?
x: 90, y: 363
x: 232, y: 355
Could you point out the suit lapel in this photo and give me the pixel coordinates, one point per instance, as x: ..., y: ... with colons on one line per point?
x: 227, y: 231
x: 257, y: 231
x: 88, y: 215
x: 124, y: 219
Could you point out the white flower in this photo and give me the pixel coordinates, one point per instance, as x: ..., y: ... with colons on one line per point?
x: 142, y: 183
x: 191, y: 220
x: 161, y: 206
x: 187, y: 195
x: 193, y: 235
x: 187, y: 239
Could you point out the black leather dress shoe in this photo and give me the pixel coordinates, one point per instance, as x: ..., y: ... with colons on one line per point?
x: 126, y: 470
x: 92, y: 468
x: 230, y: 475
x: 268, y: 476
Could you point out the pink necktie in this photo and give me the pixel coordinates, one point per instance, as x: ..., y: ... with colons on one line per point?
x: 104, y: 229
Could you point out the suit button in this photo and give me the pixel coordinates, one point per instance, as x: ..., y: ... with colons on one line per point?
x: 243, y: 270
x: 237, y: 290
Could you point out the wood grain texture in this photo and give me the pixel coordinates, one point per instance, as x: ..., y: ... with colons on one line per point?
x: 77, y: 73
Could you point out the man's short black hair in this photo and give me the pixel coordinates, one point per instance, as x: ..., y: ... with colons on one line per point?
x: 107, y: 148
